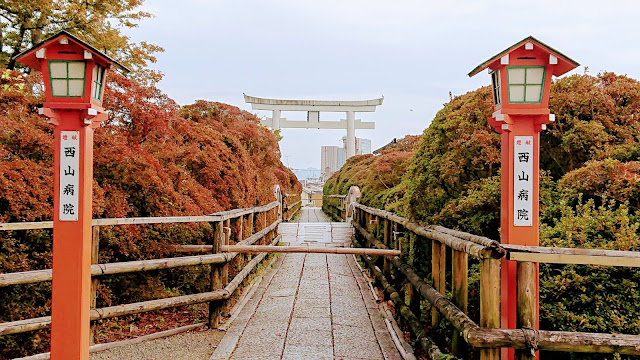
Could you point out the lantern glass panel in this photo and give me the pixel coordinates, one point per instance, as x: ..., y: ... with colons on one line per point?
x: 533, y: 93
x: 58, y: 87
x: 534, y: 75
x: 67, y: 78
x: 525, y: 83
x: 58, y: 70
x: 98, y: 81
x: 516, y: 93
x: 76, y: 70
x: 76, y: 87
x: 516, y: 75
x: 495, y: 81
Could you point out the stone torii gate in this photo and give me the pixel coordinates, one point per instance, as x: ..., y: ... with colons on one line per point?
x: 313, y: 109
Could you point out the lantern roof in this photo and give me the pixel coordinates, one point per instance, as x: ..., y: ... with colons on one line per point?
x: 565, y: 64
x: 28, y: 57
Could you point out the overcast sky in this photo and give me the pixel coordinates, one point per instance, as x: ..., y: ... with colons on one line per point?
x: 412, y: 52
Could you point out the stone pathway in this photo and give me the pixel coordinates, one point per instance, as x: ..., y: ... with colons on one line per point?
x: 310, y: 306
x: 312, y: 214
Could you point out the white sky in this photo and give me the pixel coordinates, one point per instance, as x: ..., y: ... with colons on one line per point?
x: 412, y: 52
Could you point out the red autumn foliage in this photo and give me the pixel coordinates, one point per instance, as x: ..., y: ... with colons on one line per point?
x: 151, y: 158
x: 379, y: 176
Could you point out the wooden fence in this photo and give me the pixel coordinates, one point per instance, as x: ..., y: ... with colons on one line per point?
x: 334, y: 206
x: 256, y: 225
x: 291, y: 205
x: 397, y: 276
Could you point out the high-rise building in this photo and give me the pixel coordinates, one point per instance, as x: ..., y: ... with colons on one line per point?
x: 328, y: 161
x: 341, y: 157
x: 363, y: 146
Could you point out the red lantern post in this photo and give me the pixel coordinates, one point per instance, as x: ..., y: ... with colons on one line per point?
x: 74, y: 75
x: 521, y: 82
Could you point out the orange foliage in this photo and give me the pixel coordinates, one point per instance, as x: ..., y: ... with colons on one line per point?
x: 151, y: 158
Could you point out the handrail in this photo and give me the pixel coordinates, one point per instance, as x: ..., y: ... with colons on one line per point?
x: 490, y: 249
x: 35, y: 276
x: 44, y: 322
x: 335, y: 196
x: 221, y: 288
x: 488, y: 336
x: 219, y: 216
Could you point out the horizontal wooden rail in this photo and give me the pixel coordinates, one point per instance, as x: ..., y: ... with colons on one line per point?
x: 289, y: 207
x: 335, y: 196
x: 30, y: 277
x: 513, y: 338
x: 219, y: 216
x: 554, y: 255
x: 193, y: 248
x: 472, y: 248
x: 466, y: 236
x: 309, y: 249
x: 248, y: 241
x: 20, y: 326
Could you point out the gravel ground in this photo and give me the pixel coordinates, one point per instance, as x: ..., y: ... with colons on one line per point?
x: 194, y: 345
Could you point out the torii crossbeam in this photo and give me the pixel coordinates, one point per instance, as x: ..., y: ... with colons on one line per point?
x: 313, y: 109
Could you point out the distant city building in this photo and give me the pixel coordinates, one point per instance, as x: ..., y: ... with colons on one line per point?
x: 341, y: 157
x: 328, y: 161
x: 363, y: 146
x: 332, y: 158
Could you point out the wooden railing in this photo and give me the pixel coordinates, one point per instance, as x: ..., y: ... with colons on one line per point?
x: 291, y: 205
x: 398, y: 277
x: 334, y: 206
x: 256, y: 225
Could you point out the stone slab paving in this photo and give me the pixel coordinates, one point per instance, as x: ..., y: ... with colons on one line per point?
x: 311, y: 306
x: 312, y: 214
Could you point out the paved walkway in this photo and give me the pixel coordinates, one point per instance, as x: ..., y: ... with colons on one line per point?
x: 312, y: 214
x: 310, y: 306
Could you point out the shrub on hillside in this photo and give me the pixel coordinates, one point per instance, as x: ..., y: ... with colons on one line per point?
x: 588, y: 195
x: 152, y: 158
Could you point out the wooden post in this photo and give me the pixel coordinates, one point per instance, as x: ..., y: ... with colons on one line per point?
x: 460, y: 282
x: 216, y: 279
x: 267, y: 220
x: 95, y: 248
x: 527, y: 290
x: 412, y: 295
x: 243, y: 258
x: 387, y: 240
x: 227, y: 239
x: 490, y: 302
x: 251, y: 224
x: 438, y: 272
x: 264, y: 222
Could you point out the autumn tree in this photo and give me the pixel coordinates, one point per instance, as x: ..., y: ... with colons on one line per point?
x: 25, y: 23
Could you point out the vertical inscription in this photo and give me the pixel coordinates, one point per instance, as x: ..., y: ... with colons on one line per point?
x: 523, y: 181
x: 69, y: 175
